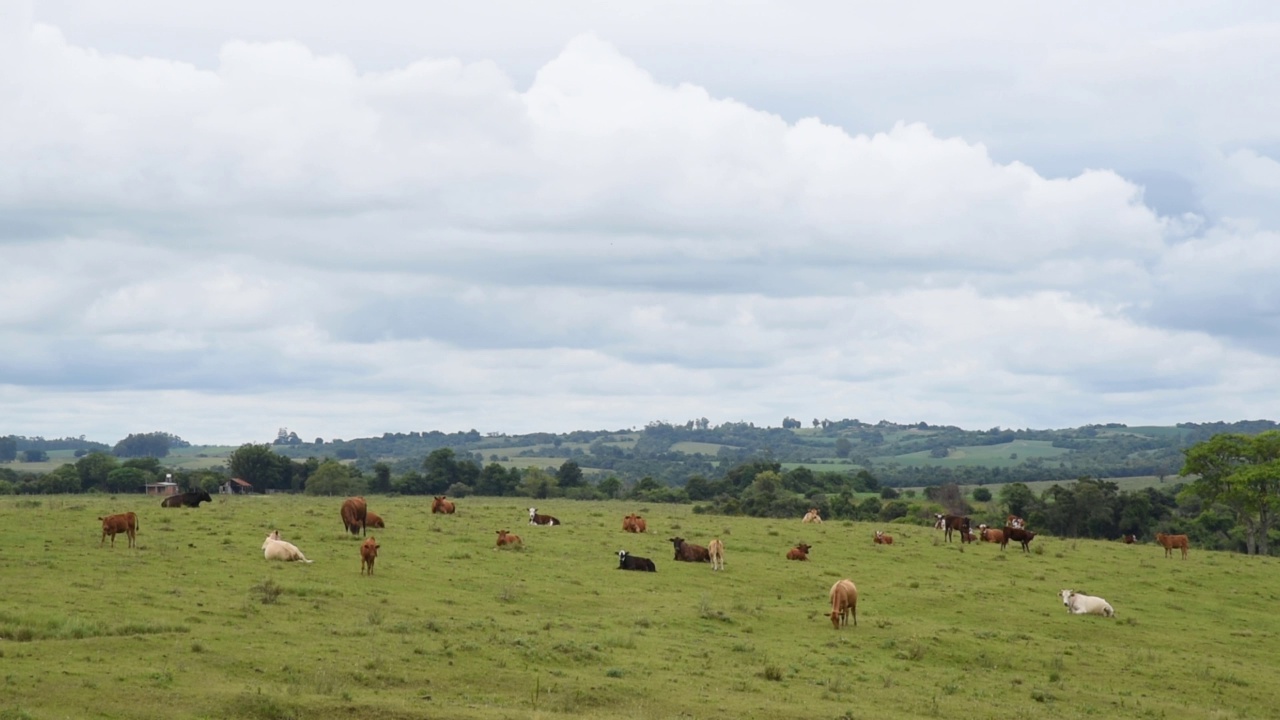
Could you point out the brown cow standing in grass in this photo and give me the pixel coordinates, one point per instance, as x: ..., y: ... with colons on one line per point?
x: 371, y: 519
x: 634, y: 524
x: 844, y: 600
x: 506, y: 539
x: 799, y: 552
x: 1169, y: 542
x: 882, y: 539
x: 126, y: 523
x: 368, y: 553
x: 354, y: 515
x: 688, y: 552
x: 715, y: 549
x: 1017, y: 535
x: 441, y: 506
x: 952, y: 523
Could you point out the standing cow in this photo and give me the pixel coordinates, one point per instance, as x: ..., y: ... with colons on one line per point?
x: 355, y: 515
x: 126, y: 523
x: 844, y: 600
x: 368, y: 553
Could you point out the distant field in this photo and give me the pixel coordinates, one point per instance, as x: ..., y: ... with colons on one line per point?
x: 194, y: 623
x: 988, y: 455
x: 1126, y: 484
x: 690, y: 448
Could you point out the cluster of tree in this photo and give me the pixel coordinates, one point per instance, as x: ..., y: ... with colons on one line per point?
x: 37, y: 449
x: 153, y: 445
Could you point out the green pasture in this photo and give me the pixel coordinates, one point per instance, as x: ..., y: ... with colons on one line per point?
x: 194, y: 623
x: 985, y: 455
x: 692, y: 448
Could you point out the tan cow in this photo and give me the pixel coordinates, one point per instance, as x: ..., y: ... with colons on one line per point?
x: 506, y: 539
x: 126, y: 523
x: 716, y: 549
x: 844, y: 600
x: 442, y: 506
x: 1169, y: 542
x: 812, y: 516
x: 634, y: 524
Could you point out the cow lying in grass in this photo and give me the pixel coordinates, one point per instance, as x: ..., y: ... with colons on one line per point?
x: 126, y: 523
x: 991, y: 535
x: 812, y: 516
x: 844, y: 600
x: 1081, y: 604
x: 634, y: 524
x: 882, y: 539
x: 536, y: 519
x: 371, y: 519
x: 627, y: 561
x: 688, y: 552
x: 799, y: 552
x: 368, y: 553
x: 506, y: 539
x: 273, y: 548
x: 715, y: 549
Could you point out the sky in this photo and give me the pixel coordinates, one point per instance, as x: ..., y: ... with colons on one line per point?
x: 222, y: 219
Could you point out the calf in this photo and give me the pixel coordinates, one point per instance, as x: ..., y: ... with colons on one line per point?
x: 844, y: 600
x: 273, y: 548
x: 799, y: 552
x: 441, y: 506
x: 1018, y: 535
x: 1080, y: 604
x: 536, y: 519
x: 507, y: 539
x: 627, y: 561
x: 688, y: 552
x: 126, y: 523
x: 368, y: 553
x: 187, y: 499
x: 371, y: 519
x: 882, y: 539
x: 715, y: 549
x: 1169, y: 542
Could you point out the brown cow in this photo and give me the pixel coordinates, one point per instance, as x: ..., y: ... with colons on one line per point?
x: 634, y: 524
x: 1129, y: 539
x: 505, y: 538
x: 844, y: 599
x: 368, y: 553
x: 441, y: 506
x: 799, y: 552
x: 688, y: 552
x: 992, y: 535
x: 952, y: 523
x: 1014, y: 521
x: 882, y: 539
x: 126, y: 523
x: 1169, y: 542
x: 373, y: 520
x: 1018, y: 535
x: 354, y: 514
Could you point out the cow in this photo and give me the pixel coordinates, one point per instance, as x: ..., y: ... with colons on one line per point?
x: 126, y: 523
x: 506, y: 539
x: 634, y: 524
x: 951, y: 523
x: 812, y: 516
x: 627, y: 561
x: 273, y: 548
x: 688, y: 552
x: 192, y: 498
x: 991, y: 535
x: 536, y: 519
x: 355, y: 515
x: 440, y: 506
x: 799, y: 552
x: 882, y: 539
x: 1019, y: 535
x: 1014, y: 521
x: 1129, y: 539
x: 1169, y: 542
x: 715, y: 549
x: 1080, y: 604
x: 373, y: 520
x: 844, y: 600
x: 368, y: 553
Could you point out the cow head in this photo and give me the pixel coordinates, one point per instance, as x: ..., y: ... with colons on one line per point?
x: 939, y: 521
x: 533, y: 513
x: 1066, y: 597
x: 804, y: 548
x: 677, y: 542
x: 835, y: 619
x: 622, y: 556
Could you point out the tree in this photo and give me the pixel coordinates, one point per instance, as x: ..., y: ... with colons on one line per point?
x: 34, y: 456
x: 261, y: 467
x: 981, y: 494
x: 8, y: 448
x: 1017, y: 499
x: 94, y: 469
x: 334, y: 478
x: 843, y: 447
x: 1241, y: 473
x: 569, y: 475
x: 126, y: 479
x: 381, y: 478
x: 611, y: 485
x: 154, y: 444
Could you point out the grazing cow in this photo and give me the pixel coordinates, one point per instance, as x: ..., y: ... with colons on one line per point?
x: 186, y: 499
x: 882, y: 539
x: 441, y: 506
x: 1019, y: 535
x: 1014, y: 521
x: 1080, y: 604
x: 355, y: 515
x: 812, y: 516
x: 368, y: 553
x: 715, y: 549
x: 1129, y: 539
x: 373, y: 520
x: 273, y: 548
x: 507, y: 539
x: 799, y: 552
x: 951, y: 523
x: 688, y: 552
x: 536, y: 519
x: 126, y: 523
x: 634, y: 524
x: 627, y: 561
x: 844, y: 599
x: 1169, y: 542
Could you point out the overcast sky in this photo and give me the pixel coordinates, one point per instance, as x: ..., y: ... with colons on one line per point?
x: 219, y: 219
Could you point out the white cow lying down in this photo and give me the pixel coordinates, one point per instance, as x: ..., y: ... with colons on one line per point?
x: 1081, y: 604
x: 273, y: 548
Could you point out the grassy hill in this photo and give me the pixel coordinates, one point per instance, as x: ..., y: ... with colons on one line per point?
x: 194, y: 623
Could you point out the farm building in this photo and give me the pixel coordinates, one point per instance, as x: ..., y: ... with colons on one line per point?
x: 235, y: 486
x: 162, y: 488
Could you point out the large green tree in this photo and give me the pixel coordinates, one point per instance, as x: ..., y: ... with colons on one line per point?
x: 261, y: 467
x: 1241, y: 473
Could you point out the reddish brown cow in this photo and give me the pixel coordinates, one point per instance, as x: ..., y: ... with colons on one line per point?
x: 373, y: 520
x: 505, y: 538
x: 1018, y: 535
x: 634, y: 524
x: 354, y: 514
x: 688, y: 552
x: 441, y: 506
x: 992, y: 535
x: 1169, y: 542
x: 368, y: 553
x: 126, y: 523
x: 1129, y: 539
x: 799, y: 552
x: 882, y: 539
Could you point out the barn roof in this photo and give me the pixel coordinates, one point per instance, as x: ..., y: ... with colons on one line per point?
x: 241, y: 483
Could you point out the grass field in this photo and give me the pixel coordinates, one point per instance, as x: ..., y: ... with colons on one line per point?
x: 986, y: 455
x: 194, y: 623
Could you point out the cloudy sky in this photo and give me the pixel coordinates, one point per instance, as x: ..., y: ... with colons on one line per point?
x: 219, y: 219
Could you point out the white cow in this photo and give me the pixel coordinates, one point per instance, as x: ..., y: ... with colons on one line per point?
x: 273, y: 548
x: 1081, y: 604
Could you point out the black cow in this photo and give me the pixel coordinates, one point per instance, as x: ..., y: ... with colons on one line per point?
x: 634, y: 562
x: 187, y: 499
